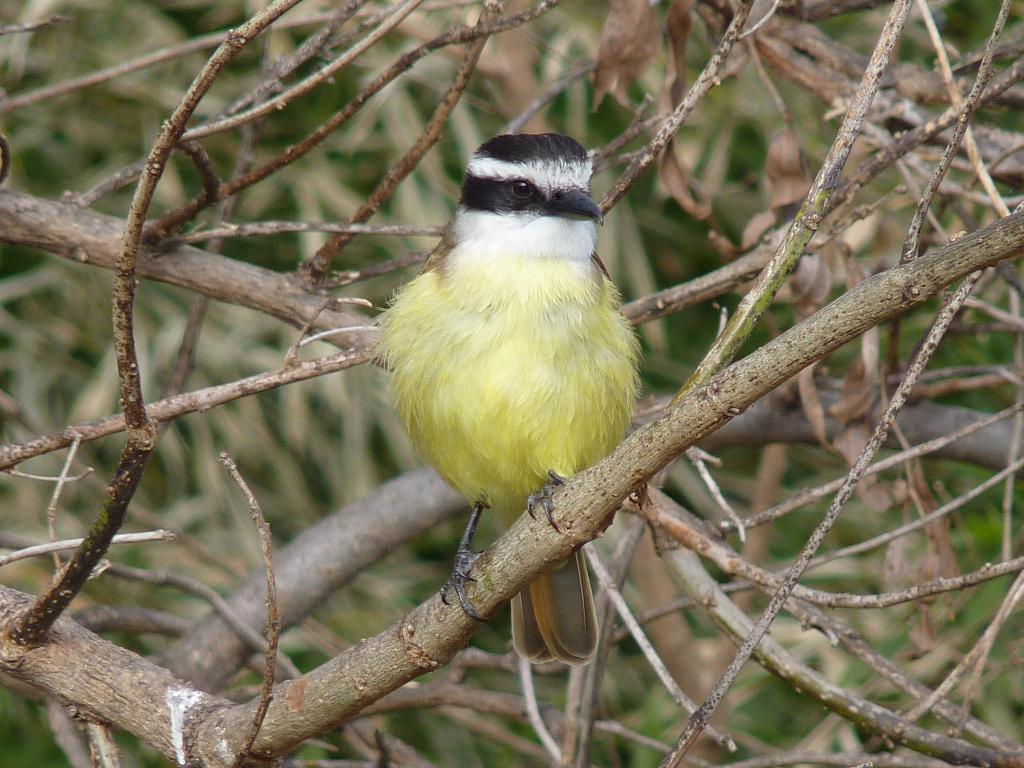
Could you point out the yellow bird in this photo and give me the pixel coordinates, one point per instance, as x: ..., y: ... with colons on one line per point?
x: 513, y: 366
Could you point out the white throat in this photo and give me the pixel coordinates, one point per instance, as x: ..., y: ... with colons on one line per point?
x: 482, y: 235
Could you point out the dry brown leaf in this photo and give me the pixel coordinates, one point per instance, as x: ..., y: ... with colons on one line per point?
x: 723, y: 246
x: 923, y: 634
x: 759, y: 224
x: 939, y: 561
x: 849, y: 443
x: 857, y: 395
x: 678, y: 23
x: 811, y: 405
x: 896, y: 571
x: 629, y: 41
x: 674, y: 179
x: 784, y: 174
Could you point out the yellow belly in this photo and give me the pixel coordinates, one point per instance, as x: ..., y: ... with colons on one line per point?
x: 505, y: 371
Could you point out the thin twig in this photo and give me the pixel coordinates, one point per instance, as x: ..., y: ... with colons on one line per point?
x: 533, y: 711
x: 66, y: 544
x: 273, y: 628
x: 396, y: 14
x: 698, y: 457
x: 185, y: 359
x: 1013, y: 450
x: 315, y: 269
x: 164, y: 578
x: 339, y: 118
x: 102, y: 747
x: 967, y: 108
x: 32, y: 26
x: 719, y: 553
x: 322, y: 39
x: 573, y: 707
x: 677, y: 693
x: 811, y: 212
x: 51, y: 508
x: 176, y: 406
x: 858, y: 710
x: 622, y: 556
x: 708, y: 78
x: 921, y: 522
x: 973, y: 659
x: 545, y: 97
x: 851, y: 641
x: 261, y: 228
x: 334, y: 332
x: 66, y: 734
x: 756, y: 26
x: 808, y: 495
x: 956, y: 99
x: 931, y: 342
x: 837, y: 759
x: 908, y: 140
x: 49, y: 92
x: 31, y: 627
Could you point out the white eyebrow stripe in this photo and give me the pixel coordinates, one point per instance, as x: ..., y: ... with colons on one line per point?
x: 546, y: 174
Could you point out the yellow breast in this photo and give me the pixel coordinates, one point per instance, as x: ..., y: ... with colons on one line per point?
x: 507, y: 368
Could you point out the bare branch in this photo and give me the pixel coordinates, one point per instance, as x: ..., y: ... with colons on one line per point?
x: 315, y: 269
x: 66, y: 544
x: 262, y: 228
x: 849, y: 705
x: 175, y: 406
x: 970, y: 104
x: 32, y: 26
x: 48, y: 92
x: 812, y: 211
x: 684, y: 701
x: 91, y: 238
x: 699, y: 720
x: 273, y: 629
x: 708, y: 78
x: 533, y: 711
x: 104, y: 750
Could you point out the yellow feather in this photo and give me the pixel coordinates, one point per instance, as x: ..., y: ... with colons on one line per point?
x: 507, y: 368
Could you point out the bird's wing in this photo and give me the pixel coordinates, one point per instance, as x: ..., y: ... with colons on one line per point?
x: 441, y: 250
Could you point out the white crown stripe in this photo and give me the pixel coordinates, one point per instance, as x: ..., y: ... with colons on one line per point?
x: 546, y: 174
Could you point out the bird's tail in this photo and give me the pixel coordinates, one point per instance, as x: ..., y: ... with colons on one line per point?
x: 554, y: 616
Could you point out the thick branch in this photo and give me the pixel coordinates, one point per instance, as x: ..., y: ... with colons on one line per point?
x: 105, y: 682
x: 92, y: 238
x: 312, y: 566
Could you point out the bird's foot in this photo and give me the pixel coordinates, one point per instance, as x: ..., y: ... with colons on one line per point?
x: 464, y: 559
x: 544, y: 498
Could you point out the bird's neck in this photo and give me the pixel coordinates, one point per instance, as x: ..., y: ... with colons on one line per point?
x: 486, y: 237
x: 500, y: 266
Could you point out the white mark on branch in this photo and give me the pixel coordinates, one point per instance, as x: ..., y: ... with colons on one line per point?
x: 224, y: 750
x: 179, y: 702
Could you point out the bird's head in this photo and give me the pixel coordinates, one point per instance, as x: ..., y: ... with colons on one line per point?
x: 530, y: 190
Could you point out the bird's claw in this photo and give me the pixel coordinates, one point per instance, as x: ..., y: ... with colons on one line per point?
x: 544, y: 498
x: 464, y: 559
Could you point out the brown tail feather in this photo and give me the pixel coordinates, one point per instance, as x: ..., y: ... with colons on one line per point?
x: 554, y: 616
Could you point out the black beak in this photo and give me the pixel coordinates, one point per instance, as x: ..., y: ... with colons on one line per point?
x: 574, y: 204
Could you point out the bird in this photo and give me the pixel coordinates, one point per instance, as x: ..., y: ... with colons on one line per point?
x: 513, y: 367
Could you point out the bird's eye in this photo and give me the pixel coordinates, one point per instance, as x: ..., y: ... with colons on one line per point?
x: 522, y: 189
